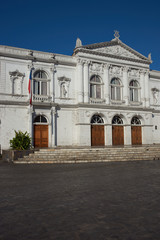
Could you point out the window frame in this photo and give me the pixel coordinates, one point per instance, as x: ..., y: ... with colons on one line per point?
x: 133, y: 91
x: 95, y: 85
x: 114, y: 88
x: 40, y: 90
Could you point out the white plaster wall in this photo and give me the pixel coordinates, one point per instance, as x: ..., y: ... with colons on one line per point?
x: 156, y: 132
x: 12, y: 118
x: 64, y: 127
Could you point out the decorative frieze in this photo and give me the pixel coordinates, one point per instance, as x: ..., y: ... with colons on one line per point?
x: 96, y: 67
x: 115, y: 71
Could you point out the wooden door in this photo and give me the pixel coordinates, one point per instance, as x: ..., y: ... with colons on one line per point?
x: 136, y: 133
x: 117, y: 135
x: 97, y: 135
x: 40, y: 136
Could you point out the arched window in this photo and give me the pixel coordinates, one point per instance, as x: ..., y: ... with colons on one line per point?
x: 95, y: 87
x: 40, y: 83
x: 135, y: 121
x: 117, y: 120
x: 133, y: 89
x: 40, y: 119
x: 96, y: 119
x: 115, y: 89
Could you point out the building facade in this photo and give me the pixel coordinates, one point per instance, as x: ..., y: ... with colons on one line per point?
x: 104, y: 94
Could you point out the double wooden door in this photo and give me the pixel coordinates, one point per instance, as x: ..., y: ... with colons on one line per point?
x: 136, y: 133
x: 97, y: 135
x: 40, y: 136
x: 117, y: 135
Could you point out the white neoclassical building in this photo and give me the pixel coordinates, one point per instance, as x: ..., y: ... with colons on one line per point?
x: 104, y: 94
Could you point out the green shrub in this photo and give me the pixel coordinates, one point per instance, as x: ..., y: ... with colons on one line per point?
x: 21, y: 141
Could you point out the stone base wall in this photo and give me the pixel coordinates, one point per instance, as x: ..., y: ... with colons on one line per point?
x: 11, y: 155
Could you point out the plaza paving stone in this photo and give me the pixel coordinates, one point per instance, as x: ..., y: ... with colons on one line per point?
x: 95, y: 201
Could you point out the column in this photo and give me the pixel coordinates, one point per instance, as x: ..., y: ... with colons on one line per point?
x: 142, y: 87
x: 79, y: 83
x: 147, y: 98
x: 125, y: 80
x: 106, y: 83
x: 86, y: 82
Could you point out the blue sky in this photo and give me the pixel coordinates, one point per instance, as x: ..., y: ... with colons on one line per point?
x: 54, y: 26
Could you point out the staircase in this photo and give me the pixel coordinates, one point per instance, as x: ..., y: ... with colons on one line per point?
x: 85, y: 155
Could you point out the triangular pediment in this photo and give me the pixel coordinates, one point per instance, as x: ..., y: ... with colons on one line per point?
x: 115, y: 49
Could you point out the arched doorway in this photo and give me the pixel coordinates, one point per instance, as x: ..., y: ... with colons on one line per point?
x: 97, y: 131
x: 40, y: 132
x: 136, y: 131
x: 117, y: 131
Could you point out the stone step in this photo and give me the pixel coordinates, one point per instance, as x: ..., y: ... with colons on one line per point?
x: 79, y: 161
x: 92, y: 157
x: 72, y: 155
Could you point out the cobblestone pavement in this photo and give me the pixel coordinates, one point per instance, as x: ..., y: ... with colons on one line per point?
x: 108, y: 201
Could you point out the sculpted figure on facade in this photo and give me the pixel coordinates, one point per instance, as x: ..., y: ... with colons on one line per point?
x: 64, y: 86
x: 155, y: 93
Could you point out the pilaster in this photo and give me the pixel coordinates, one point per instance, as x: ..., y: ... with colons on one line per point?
x: 106, y: 82
x: 86, y: 81
x: 142, y: 87
x: 79, y: 84
x: 52, y: 83
x: 147, y: 98
x: 125, y: 80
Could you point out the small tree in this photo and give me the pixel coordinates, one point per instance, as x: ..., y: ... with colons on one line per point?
x: 21, y: 141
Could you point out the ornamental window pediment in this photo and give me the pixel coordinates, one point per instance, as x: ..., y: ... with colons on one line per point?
x: 16, y: 82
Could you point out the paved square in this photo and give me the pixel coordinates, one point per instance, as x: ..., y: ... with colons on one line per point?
x: 110, y: 201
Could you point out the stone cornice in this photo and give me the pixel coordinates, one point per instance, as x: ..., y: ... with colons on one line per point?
x: 109, y: 107
x: 111, y: 55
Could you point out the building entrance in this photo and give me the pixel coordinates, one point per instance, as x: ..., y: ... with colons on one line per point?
x: 97, y: 131
x: 40, y: 132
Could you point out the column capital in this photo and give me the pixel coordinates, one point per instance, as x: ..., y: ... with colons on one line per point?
x: 80, y: 61
x: 142, y: 71
x: 86, y: 62
x: 146, y: 72
x: 106, y: 66
x: 126, y: 68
